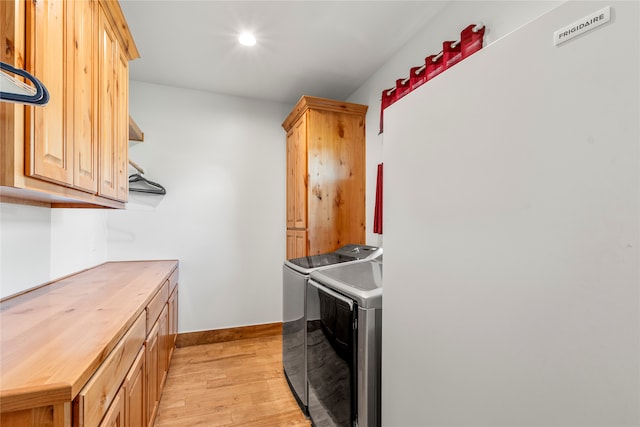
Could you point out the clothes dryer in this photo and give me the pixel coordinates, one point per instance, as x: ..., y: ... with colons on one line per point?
x: 344, y: 337
x: 295, y: 273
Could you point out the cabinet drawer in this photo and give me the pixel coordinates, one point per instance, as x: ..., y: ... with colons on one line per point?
x: 173, y: 281
x: 156, y: 305
x: 96, y: 396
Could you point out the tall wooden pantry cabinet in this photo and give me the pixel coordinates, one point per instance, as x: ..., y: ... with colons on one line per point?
x: 325, y: 176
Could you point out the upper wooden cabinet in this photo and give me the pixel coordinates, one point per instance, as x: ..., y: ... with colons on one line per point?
x: 297, y: 175
x: 122, y: 124
x: 107, y: 101
x: 325, y: 175
x: 84, y: 102
x: 50, y: 157
x: 74, y: 150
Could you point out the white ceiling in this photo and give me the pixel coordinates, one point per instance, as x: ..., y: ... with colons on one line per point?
x: 318, y: 48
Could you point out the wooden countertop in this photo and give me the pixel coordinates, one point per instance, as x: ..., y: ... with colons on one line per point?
x: 53, y: 338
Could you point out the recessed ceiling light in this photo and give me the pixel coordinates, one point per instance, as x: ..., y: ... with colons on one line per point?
x: 247, y: 39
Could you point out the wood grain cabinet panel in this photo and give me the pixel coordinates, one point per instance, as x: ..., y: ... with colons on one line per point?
x: 135, y: 404
x: 291, y: 177
x: 326, y: 162
x: 82, y: 109
x: 291, y: 244
x: 12, y: 39
x: 163, y: 347
x: 156, y: 305
x: 300, y: 243
x: 115, y: 415
x: 51, y: 415
x: 173, y: 322
x: 113, y: 106
x: 122, y: 126
x: 296, y: 243
x: 153, y: 380
x: 50, y: 156
x: 107, y: 98
x: 160, y: 342
x: 301, y: 174
x: 297, y: 175
x: 94, y: 399
x: 74, y: 150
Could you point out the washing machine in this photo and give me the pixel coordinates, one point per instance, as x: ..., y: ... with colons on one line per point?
x: 295, y: 274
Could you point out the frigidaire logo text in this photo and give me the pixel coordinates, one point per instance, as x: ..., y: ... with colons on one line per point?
x: 582, y: 26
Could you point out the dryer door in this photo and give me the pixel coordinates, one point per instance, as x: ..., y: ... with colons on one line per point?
x: 331, y: 356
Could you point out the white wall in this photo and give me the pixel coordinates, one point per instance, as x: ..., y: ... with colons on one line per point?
x: 499, y: 17
x: 78, y: 240
x: 39, y: 244
x: 25, y: 247
x: 222, y: 161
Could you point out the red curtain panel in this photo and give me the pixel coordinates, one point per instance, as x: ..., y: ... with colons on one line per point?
x: 377, y: 214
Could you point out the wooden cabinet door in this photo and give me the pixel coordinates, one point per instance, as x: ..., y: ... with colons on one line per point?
x: 107, y: 98
x: 163, y: 348
x: 82, y: 126
x: 173, y: 323
x: 336, y: 152
x: 115, y: 415
x: 135, y: 405
x: 300, y: 237
x: 297, y: 175
x: 122, y: 127
x: 291, y: 244
x: 291, y: 177
x: 297, y: 182
x: 300, y: 174
x: 153, y: 395
x: 296, y: 243
x: 49, y: 153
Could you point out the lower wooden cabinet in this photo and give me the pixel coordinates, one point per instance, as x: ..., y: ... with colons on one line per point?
x: 129, y: 407
x: 135, y: 404
x: 161, y: 341
x: 138, y: 399
x: 126, y: 389
x: 98, y: 395
x: 173, y: 321
x: 152, y: 386
x: 296, y: 243
x: 115, y: 414
x: 163, y: 353
x: 112, y: 376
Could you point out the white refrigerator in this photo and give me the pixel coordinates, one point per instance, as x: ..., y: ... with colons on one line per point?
x: 511, y: 232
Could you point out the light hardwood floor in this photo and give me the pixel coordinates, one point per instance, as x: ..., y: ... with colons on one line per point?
x: 235, y: 383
